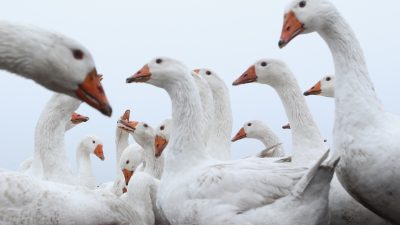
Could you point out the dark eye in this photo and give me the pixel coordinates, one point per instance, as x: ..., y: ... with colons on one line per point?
x: 127, y: 161
x: 145, y: 125
x: 162, y: 128
x: 302, y: 4
x: 208, y: 72
x: 78, y: 54
x: 328, y: 78
x: 249, y: 124
x: 158, y: 61
x: 264, y: 64
x: 93, y: 142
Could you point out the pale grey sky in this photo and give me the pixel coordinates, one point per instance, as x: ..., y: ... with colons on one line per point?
x: 226, y: 36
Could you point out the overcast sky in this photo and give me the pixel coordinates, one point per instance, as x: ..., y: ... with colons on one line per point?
x: 226, y: 36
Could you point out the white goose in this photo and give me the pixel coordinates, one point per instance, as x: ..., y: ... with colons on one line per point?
x: 221, y: 127
x: 91, y: 144
x: 365, y: 135
x: 343, y: 208
x: 258, y: 130
x: 76, y: 119
x: 325, y: 87
x: 53, y: 61
x: 208, y: 191
x: 163, y: 134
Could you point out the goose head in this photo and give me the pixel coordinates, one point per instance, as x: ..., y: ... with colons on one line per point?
x: 161, y: 72
x: 162, y: 136
x: 124, y: 117
x: 93, y: 145
x: 130, y: 159
x: 305, y: 16
x: 143, y: 133
x: 251, y: 129
x: 265, y: 71
x: 324, y: 87
x: 78, y: 118
x: 215, y: 82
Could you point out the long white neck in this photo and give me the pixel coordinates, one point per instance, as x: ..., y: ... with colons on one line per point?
x: 271, y: 141
x: 186, y: 148
x: 355, y: 98
x: 121, y: 142
x: 85, y: 173
x: 49, y: 139
x: 221, y: 136
x: 207, y: 105
x: 154, y: 165
x: 308, y: 144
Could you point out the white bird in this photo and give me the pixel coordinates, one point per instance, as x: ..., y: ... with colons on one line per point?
x: 258, y: 130
x: 163, y: 133
x: 325, y: 87
x: 219, y: 143
x: 276, y: 73
x: 53, y: 61
x: 76, y: 119
x: 91, y: 144
x: 208, y: 191
x: 366, y: 136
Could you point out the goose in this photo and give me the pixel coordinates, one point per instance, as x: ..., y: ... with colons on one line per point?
x: 307, y: 142
x: 52, y: 60
x: 209, y: 191
x: 258, y: 130
x: 343, y: 208
x: 91, y: 144
x: 162, y: 136
x: 26, y: 200
x: 365, y: 135
x: 145, y: 136
x: 325, y: 87
x: 76, y: 119
x: 220, y: 138
x: 131, y: 158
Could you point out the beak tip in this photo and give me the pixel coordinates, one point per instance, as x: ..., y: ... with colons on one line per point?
x: 129, y: 80
x: 306, y: 93
x: 107, y: 110
x: 282, y: 44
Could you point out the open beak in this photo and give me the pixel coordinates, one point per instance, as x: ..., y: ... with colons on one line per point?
x: 286, y: 127
x: 77, y: 118
x: 315, y: 90
x: 126, y: 115
x: 98, y: 151
x: 91, y: 91
x: 128, y: 125
x: 142, y: 75
x: 160, y: 143
x: 291, y: 28
x: 240, y: 135
x: 247, y: 77
x: 127, y: 175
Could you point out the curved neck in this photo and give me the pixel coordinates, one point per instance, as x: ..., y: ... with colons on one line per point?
x: 222, y: 121
x: 83, y: 162
x: 354, y: 91
x: 154, y: 165
x: 121, y: 142
x: 49, y: 138
x: 307, y: 141
x: 207, y: 104
x: 186, y: 147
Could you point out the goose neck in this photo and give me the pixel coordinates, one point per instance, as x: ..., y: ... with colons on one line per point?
x: 83, y: 162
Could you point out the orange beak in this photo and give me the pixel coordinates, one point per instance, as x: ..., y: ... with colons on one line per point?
x: 142, y: 75
x: 91, y: 91
x: 196, y: 71
x: 127, y: 175
x: 160, y: 143
x: 129, y: 126
x: 240, y: 135
x: 247, y: 77
x: 126, y: 115
x: 124, y: 190
x: 98, y: 151
x: 315, y: 90
x: 286, y: 127
x: 77, y: 118
x: 291, y: 28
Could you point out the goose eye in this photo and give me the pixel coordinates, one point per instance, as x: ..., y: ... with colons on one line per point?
x: 93, y: 142
x: 249, y: 124
x: 127, y: 161
x: 302, y: 4
x: 328, y: 78
x: 208, y: 72
x: 158, y: 61
x: 162, y: 128
x: 78, y: 54
x: 264, y: 64
x: 145, y: 125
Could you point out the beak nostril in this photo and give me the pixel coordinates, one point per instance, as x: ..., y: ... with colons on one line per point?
x: 245, y: 75
x: 288, y: 28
